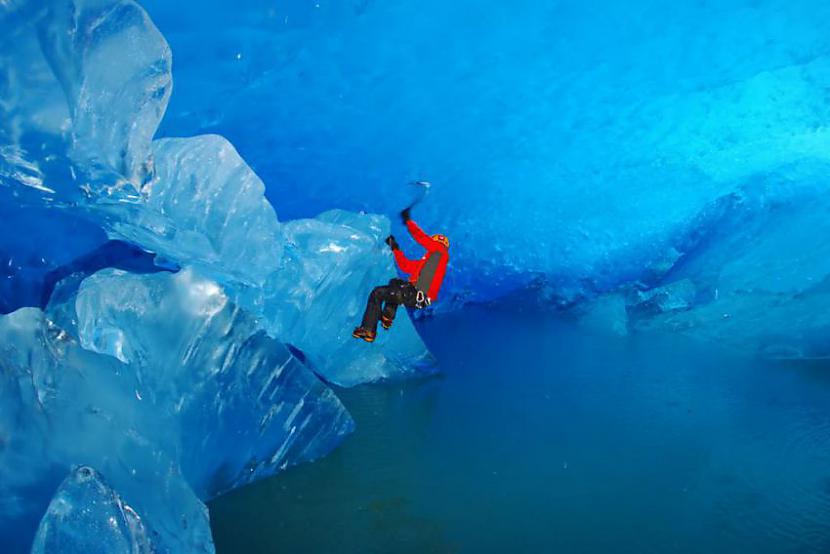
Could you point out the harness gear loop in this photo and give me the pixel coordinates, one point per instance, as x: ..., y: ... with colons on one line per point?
x: 422, y: 300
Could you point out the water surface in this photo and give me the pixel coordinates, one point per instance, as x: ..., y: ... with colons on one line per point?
x: 540, y: 437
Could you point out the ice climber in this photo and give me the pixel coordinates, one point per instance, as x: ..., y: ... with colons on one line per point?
x: 425, y: 277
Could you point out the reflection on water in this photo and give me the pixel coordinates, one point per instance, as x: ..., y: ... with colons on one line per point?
x: 540, y: 438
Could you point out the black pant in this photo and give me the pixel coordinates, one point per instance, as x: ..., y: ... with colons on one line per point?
x: 385, y: 300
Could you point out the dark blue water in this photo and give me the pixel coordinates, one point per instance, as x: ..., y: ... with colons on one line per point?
x: 542, y: 438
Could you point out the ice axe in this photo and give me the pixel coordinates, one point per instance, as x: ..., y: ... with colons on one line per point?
x: 421, y: 192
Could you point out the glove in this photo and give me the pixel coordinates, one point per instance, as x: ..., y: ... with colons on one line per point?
x: 393, y: 244
x: 405, y: 215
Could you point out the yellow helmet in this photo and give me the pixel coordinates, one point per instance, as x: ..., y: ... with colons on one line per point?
x: 442, y: 239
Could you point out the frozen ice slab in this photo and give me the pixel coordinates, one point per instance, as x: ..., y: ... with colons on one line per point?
x: 606, y: 315
x: 62, y: 406
x: 244, y: 406
x: 191, y: 201
x: 204, y: 207
x: 675, y: 296
x: 749, y: 271
x: 333, y: 263
x: 87, y: 82
x: 163, y: 385
x: 168, y: 385
x: 761, y: 270
x: 87, y: 517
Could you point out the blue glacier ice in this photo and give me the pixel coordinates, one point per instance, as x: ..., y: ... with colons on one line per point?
x: 245, y: 405
x: 335, y: 253
x: 633, y: 166
x: 761, y: 285
x: 63, y: 406
x: 164, y: 386
x: 25, y: 264
x: 576, y: 150
x: 188, y: 201
x: 77, y: 114
x: 86, y: 516
x: 205, y: 206
x: 164, y: 332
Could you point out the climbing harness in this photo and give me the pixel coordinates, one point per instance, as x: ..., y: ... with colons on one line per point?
x: 422, y: 300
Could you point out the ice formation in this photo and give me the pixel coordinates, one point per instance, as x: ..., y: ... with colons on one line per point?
x: 88, y: 517
x: 335, y: 252
x: 166, y: 338
x: 79, y: 114
x: 164, y: 386
x: 246, y: 405
x: 205, y: 205
x: 62, y: 406
x: 576, y: 149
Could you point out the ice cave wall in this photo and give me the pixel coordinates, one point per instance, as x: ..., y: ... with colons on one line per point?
x: 634, y: 165
x: 581, y: 149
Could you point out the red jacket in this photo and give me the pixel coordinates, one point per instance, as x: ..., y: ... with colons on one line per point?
x: 426, y: 274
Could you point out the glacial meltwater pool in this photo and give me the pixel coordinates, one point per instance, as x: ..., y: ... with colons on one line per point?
x: 539, y: 437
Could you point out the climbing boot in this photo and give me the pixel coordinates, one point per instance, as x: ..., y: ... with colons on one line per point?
x: 365, y: 334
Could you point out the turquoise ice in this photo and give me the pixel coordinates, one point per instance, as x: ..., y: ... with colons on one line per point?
x: 634, y: 166
x: 87, y: 516
x: 576, y: 150
x: 63, y: 406
x: 166, y: 388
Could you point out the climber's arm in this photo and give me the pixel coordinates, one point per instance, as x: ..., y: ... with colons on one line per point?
x: 405, y: 264
x: 419, y: 235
